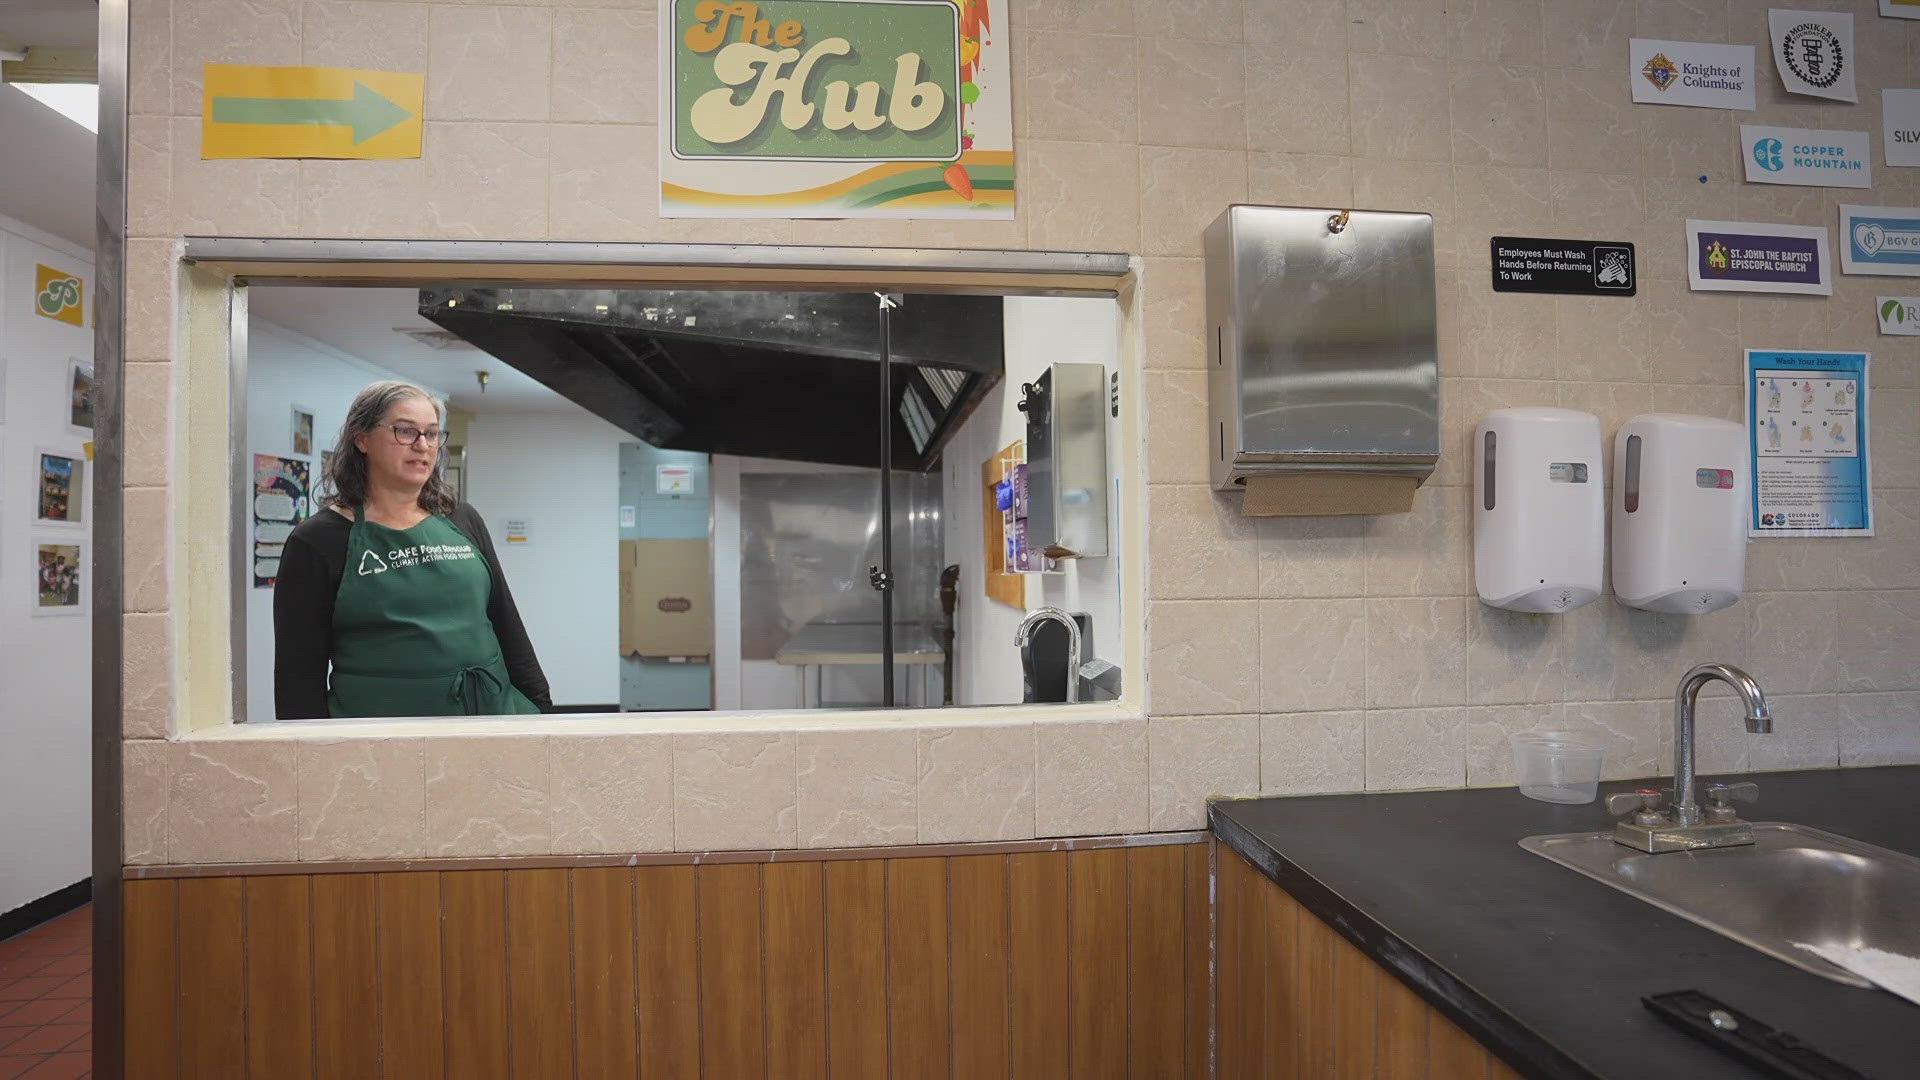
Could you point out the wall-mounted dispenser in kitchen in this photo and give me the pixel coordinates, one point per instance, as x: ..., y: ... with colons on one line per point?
x: 1322, y: 358
x: 1539, y: 509
x: 1066, y: 471
x: 1679, y: 513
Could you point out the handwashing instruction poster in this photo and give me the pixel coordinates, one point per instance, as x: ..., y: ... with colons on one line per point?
x: 1807, y: 426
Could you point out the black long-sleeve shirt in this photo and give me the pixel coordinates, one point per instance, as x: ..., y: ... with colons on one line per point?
x: 311, y: 566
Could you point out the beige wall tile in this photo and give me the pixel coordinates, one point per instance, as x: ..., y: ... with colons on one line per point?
x: 333, y: 197
x: 1490, y: 731
x: 149, y: 176
x: 1182, y: 191
x: 977, y: 783
x: 1878, y: 632
x: 1087, y: 17
x: 491, y: 63
x: 1174, y: 313
x: 1805, y: 735
x: 1720, y: 737
x: 1682, y: 20
x: 1894, y: 435
x: 146, y: 769
x: 373, y: 36
x: 1313, y: 655
x: 1199, y: 545
x: 145, y: 563
x: 1879, y: 729
x: 1313, y: 753
x: 150, y: 58
x: 1192, y: 759
x: 1081, y: 196
x: 605, y: 183
x: 228, y: 32
x: 1602, y: 337
x: 1722, y: 402
x: 487, y: 181
x: 1424, y: 553
x: 1090, y: 777
x: 147, y: 675
x: 1177, y: 422
x: 362, y: 799
x: 1639, y: 735
x: 1696, y: 336
x: 1688, y: 143
x: 230, y: 198
x: 1299, y: 101
x: 1416, y: 748
x: 148, y: 425
x: 487, y: 796
x: 1193, y: 93
x: 603, y: 66
x: 1590, y: 124
x: 1419, y: 186
x: 1204, y: 657
x: 858, y: 788
x: 1589, y: 34
x: 232, y: 802
x: 1309, y: 25
x: 734, y: 791
x: 1891, y: 560
x: 1513, y: 657
x: 1613, y: 402
x: 1782, y: 565
x: 1416, y: 653
x: 1795, y: 641
x: 1498, y: 201
x: 152, y: 268
x: 1300, y: 179
x: 1399, y: 107
x: 1617, y: 653
x: 1081, y: 87
x: 1599, y: 204
x: 1501, y: 31
x: 1313, y: 556
x: 611, y: 794
x: 1499, y: 114
x: 1202, y: 20
x: 1407, y: 27
x: 1505, y: 335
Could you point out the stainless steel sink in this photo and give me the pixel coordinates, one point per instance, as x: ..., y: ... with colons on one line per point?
x: 1793, y: 884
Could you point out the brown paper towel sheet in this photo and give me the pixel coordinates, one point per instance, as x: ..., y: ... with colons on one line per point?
x: 1328, y: 494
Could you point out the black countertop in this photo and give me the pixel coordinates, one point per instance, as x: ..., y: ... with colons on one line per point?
x: 1546, y: 966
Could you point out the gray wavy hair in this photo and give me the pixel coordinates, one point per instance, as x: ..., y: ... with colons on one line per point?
x: 346, y: 474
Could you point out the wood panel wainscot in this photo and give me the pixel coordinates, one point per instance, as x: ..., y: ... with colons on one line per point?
x: 1296, y: 1001
x: 1090, y: 962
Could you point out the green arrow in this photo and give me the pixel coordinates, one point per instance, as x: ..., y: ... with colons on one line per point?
x: 367, y: 113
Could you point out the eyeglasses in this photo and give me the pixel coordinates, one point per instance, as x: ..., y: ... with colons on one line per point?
x: 408, y: 435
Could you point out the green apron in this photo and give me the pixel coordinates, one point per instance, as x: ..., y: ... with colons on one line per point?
x: 411, y: 635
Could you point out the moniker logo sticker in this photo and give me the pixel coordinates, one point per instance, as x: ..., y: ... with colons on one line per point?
x: 1777, y: 155
x: 1880, y: 240
x: 1691, y: 73
x: 1900, y: 126
x: 1813, y: 51
x: 1754, y: 256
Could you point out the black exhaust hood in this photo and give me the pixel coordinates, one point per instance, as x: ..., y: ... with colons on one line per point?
x: 757, y: 374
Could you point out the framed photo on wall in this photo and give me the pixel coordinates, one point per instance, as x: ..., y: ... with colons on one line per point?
x: 59, y: 487
x: 302, y: 431
x: 59, y: 586
x: 80, y: 396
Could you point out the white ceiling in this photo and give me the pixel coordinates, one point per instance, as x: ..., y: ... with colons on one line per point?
x: 48, y: 181
x: 367, y: 324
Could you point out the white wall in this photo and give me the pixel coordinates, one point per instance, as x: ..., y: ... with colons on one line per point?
x: 287, y: 369
x: 560, y: 472
x: 45, y: 715
x: 1040, y: 331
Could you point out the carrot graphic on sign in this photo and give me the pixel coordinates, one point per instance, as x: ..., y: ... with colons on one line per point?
x: 974, y: 18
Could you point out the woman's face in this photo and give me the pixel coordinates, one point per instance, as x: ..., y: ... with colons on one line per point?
x: 402, y: 464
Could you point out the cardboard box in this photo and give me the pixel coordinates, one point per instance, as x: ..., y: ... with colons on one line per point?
x: 666, y: 598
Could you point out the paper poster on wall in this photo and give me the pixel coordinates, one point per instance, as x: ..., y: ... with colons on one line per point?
x: 1880, y: 240
x: 309, y: 112
x: 302, y: 431
x: 1900, y: 9
x: 1807, y: 433
x: 60, y: 491
x: 1813, y: 51
x: 1806, y: 156
x: 59, y: 295
x: 836, y: 109
x: 628, y: 517
x: 280, y: 501
x: 1899, y: 315
x: 58, y: 570
x: 80, y: 395
x: 1900, y: 127
x: 1695, y: 73
x: 518, y: 533
x: 672, y: 479
x: 1756, y: 256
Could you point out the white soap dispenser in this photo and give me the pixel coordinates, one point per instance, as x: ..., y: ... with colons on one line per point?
x: 1539, y: 509
x: 1679, y: 513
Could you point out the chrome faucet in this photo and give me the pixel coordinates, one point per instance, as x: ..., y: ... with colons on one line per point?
x: 1652, y: 827
x: 1025, y: 633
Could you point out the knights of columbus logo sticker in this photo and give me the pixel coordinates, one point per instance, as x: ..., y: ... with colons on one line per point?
x: 1660, y: 71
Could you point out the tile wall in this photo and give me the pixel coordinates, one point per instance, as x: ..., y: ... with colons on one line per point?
x: 1287, y: 655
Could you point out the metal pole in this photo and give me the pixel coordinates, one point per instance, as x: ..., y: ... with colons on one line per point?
x: 884, y: 578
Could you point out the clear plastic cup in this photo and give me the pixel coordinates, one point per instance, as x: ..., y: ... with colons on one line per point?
x: 1559, y: 766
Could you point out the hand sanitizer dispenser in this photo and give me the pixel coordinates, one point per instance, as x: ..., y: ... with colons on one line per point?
x: 1679, y: 513
x: 1539, y: 509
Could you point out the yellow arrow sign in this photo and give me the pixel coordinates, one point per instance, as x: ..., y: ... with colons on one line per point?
x: 309, y: 112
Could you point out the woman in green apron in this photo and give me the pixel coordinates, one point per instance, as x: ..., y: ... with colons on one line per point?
x: 391, y: 601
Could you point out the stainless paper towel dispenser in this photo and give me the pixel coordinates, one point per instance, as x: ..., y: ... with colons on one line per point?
x: 1323, y: 344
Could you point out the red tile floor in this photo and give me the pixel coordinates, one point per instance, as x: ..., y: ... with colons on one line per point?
x: 46, y: 1000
